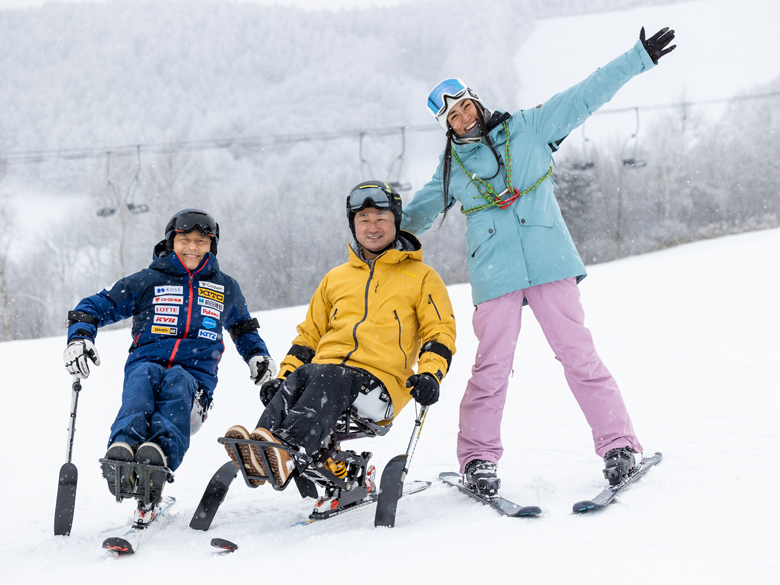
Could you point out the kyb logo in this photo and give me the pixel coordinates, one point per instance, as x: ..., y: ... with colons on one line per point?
x: 168, y: 300
x: 169, y: 290
x: 210, y: 303
x: 165, y: 320
x: 206, y: 312
x: 166, y: 309
x: 211, y: 295
x: 212, y: 286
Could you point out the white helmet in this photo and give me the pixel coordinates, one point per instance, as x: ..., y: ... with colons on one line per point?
x: 446, y: 94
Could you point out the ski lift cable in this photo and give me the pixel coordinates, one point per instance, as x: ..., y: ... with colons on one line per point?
x: 41, y: 156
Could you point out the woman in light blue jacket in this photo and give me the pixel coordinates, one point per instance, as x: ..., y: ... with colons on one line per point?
x: 498, y: 166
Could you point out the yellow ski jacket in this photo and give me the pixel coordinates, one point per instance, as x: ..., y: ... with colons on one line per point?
x: 380, y: 316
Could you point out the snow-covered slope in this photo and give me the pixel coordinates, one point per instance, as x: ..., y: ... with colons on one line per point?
x: 692, y: 337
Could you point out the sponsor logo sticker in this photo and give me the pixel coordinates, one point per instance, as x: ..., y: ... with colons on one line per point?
x: 164, y: 330
x: 209, y: 323
x: 210, y: 303
x: 168, y: 290
x: 169, y: 300
x: 165, y: 320
x: 166, y: 309
x: 208, y: 312
x: 212, y: 286
x: 211, y: 295
x: 207, y: 334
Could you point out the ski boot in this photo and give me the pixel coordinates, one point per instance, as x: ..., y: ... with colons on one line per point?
x: 481, y: 477
x: 120, y: 452
x: 145, y: 514
x: 619, y: 464
x: 152, y: 454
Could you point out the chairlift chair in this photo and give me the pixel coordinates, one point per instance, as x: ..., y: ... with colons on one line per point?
x: 632, y: 162
x: 112, y: 195
x: 394, y: 172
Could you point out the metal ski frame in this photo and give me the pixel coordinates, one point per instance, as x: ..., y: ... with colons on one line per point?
x: 69, y: 475
x: 392, y: 484
x: 143, y: 472
x: 310, y: 471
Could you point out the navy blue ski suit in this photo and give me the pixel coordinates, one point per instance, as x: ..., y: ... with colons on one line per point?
x: 178, y: 320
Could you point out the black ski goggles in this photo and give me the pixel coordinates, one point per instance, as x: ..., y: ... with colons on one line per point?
x: 376, y: 195
x: 195, y: 220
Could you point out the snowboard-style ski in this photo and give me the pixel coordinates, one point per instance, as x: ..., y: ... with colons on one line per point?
x: 215, y: 493
x: 127, y: 543
x: 607, y: 496
x: 499, y: 504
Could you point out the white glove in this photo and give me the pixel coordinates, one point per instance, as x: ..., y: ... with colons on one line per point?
x: 75, y: 357
x: 262, y: 368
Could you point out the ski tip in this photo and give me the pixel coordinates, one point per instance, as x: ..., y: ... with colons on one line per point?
x: 584, y: 507
x: 528, y: 512
x: 224, y: 544
x: 118, y: 546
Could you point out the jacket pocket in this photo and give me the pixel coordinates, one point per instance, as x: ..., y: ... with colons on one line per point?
x: 482, y: 231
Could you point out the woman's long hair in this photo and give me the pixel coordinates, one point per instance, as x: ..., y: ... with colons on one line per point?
x: 447, y: 162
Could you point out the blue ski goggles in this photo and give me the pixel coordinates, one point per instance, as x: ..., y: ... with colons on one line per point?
x: 376, y: 195
x: 449, y: 88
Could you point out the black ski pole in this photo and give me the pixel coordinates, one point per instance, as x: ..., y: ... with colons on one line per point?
x: 392, y: 484
x: 69, y: 475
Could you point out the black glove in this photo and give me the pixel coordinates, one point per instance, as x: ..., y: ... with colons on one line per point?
x: 656, y: 45
x: 269, y: 390
x: 425, y: 388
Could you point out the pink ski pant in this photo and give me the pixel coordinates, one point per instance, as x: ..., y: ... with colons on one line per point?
x: 559, y: 312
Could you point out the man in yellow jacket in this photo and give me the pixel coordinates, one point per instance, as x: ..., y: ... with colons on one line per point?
x: 369, y: 322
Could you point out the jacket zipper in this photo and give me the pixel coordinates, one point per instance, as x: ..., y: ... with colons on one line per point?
x: 189, y: 317
x: 365, y: 314
x: 400, y: 345
x: 435, y: 308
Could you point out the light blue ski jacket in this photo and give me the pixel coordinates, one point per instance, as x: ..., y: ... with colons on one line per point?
x: 527, y: 243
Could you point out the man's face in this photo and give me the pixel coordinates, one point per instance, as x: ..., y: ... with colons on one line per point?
x: 191, y: 248
x: 374, y: 230
x: 462, y: 117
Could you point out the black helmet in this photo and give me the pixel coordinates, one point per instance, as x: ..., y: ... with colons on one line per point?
x: 376, y: 194
x: 187, y: 220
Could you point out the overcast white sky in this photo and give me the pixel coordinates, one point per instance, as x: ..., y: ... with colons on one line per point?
x: 306, y: 4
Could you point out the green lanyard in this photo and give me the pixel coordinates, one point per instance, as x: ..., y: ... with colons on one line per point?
x: 495, y: 199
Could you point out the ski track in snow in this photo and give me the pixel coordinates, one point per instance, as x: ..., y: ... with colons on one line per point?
x: 688, y: 333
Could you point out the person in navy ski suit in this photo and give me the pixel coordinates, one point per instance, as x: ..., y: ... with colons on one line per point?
x: 180, y: 306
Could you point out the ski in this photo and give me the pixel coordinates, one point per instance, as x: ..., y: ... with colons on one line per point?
x: 499, y: 504
x: 411, y: 488
x: 224, y: 546
x: 215, y: 493
x: 127, y: 543
x: 607, y: 496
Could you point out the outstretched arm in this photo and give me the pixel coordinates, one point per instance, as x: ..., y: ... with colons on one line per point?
x: 567, y: 110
